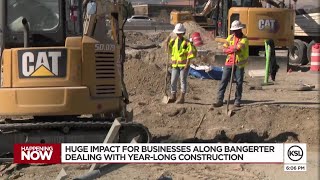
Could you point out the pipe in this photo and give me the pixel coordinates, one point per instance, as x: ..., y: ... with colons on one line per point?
x: 268, y: 53
x: 26, y: 31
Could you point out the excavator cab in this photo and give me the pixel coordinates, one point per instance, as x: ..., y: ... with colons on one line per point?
x: 49, y: 25
x: 223, y: 13
x: 62, y: 72
x: 260, y: 23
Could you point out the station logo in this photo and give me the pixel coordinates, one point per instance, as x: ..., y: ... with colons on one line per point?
x: 295, y: 153
x: 42, y: 63
x: 37, y: 153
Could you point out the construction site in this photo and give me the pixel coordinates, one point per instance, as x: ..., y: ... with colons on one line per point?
x: 117, y: 72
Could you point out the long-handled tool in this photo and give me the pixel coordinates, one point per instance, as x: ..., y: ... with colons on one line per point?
x: 229, y: 111
x: 199, y: 125
x: 166, y: 98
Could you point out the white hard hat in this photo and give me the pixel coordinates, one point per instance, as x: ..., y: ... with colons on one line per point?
x: 179, y: 29
x: 236, y: 25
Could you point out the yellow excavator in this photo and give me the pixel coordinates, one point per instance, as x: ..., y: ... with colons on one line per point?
x: 62, y: 72
x: 204, y: 18
x: 260, y: 23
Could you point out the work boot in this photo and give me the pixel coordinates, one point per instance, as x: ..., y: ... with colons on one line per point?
x: 173, y: 97
x: 217, y: 104
x: 181, y: 98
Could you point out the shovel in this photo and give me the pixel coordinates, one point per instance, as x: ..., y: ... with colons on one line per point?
x: 166, y: 98
x: 229, y: 111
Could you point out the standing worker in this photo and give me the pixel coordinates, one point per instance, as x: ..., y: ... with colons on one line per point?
x: 182, y: 52
x: 237, y: 45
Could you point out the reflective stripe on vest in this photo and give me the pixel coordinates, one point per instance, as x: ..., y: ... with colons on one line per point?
x: 241, y: 56
x: 180, y: 62
x: 180, y: 55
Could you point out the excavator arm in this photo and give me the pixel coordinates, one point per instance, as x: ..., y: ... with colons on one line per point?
x: 95, y: 26
x: 273, y: 3
x: 210, y: 5
x: 79, y: 111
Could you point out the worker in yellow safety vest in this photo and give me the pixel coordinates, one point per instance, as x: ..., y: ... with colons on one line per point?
x: 182, y: 51
x: 237, y: 50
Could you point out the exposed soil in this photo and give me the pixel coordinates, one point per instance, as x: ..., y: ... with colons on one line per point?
x: 277, y: 114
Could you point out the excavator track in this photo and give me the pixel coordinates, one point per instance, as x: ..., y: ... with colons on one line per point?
x: 75, y: 131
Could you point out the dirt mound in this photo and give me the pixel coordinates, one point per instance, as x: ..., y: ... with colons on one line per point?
x: 298, y: 125
x: 158, y: 54
x: 209, y: 43
x: 143, y: 78
x: 140, y: 38
x: 192, y: 27
x: 150, y: 55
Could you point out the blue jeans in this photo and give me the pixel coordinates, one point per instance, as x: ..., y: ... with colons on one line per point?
x: 238, y: 77
x: 175, y: 74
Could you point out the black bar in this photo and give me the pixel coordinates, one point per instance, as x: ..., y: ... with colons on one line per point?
x: 2, y: 25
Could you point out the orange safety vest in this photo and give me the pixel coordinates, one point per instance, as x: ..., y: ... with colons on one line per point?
x: 243, y: 50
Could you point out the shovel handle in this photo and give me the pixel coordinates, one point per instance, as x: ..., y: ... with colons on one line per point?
x: 231, y: 81
x: 167, y: 66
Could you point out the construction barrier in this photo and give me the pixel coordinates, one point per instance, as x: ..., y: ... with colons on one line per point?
x: 196, y: 38
x: 315, y: 58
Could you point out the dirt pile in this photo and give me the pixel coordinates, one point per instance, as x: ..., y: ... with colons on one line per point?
x: 244, y: 126
x: 209, y: 43
x: 194, y: 27
x: 140, y: 38
x: 150, y: 55
x: 158, y: 54
x: 143, y: 78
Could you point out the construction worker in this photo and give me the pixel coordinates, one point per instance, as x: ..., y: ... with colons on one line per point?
x: 237, y: 50
x: 182, y: 52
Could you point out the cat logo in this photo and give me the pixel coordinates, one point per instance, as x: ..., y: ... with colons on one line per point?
x: 270, y: 25
x: 42, y: 63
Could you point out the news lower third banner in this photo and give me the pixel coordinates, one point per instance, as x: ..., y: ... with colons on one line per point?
x: 170, y: 153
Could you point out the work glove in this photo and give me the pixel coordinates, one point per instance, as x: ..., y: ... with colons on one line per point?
x: 230, y: 50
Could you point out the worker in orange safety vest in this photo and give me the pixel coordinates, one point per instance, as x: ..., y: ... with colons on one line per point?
x: 182, y: 51
x: 237, y: 50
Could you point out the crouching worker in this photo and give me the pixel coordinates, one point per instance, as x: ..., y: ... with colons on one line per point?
x: 182, y: 51
x: 237, y: 50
